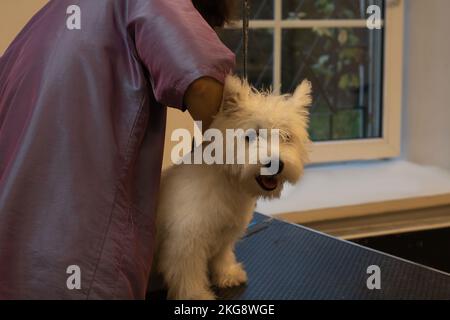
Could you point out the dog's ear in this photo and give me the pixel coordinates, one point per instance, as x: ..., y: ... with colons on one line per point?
x: 235, y: 92
x: 302, y: 97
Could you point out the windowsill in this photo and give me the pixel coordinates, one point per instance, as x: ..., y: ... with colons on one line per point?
x: 341, y: 191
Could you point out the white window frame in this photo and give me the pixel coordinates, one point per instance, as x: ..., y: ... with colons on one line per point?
x: 389, y: 145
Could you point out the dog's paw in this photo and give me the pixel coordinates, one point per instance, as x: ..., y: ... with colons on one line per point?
x: 233, y: 276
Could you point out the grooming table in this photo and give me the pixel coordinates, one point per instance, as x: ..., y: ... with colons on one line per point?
x: 289, y: 262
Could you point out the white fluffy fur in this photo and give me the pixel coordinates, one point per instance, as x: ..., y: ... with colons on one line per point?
x: 204, y: 209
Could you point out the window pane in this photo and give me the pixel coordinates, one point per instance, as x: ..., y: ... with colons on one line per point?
x: 345, y: 67
x: 327, y: 9
x: 259, y: 9
x: 260, y: 55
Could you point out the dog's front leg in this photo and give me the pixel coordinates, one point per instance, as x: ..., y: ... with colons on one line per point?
x: 185, y: 273
x: 225, y: 270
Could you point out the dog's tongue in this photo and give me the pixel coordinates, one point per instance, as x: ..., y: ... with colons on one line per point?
x: 269, y: 182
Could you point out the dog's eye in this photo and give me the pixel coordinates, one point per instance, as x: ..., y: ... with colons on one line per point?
x: 287, y: 137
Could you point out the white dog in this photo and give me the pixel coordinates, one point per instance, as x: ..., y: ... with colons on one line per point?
x: 204, y: 209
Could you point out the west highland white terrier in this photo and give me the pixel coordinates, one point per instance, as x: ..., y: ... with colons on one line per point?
x: 204, y: 209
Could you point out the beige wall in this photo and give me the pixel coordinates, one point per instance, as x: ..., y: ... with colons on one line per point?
x: 426, y: 134
x: 176, y: 119
x: 14, y: 14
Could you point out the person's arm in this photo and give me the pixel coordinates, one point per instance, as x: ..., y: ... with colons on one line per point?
x: 203, y: 99
x: 186, y: 60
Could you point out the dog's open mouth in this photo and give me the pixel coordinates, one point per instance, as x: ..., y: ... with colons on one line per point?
x: 267, y: 183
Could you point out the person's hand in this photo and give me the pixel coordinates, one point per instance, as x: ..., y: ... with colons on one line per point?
x: 203, y: 99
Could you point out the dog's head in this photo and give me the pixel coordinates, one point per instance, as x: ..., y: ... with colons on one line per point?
x: 272, y: 127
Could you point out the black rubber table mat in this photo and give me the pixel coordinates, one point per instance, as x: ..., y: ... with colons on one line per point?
x: 285, y: 261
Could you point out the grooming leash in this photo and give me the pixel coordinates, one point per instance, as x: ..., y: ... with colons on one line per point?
x: 245, y: 27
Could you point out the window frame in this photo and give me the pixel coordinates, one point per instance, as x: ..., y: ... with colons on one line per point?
x: 389, y: 145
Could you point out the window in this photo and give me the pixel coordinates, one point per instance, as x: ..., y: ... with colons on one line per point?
x: 356, y: 72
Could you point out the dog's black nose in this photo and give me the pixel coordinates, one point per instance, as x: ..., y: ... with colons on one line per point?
x: 280, y: 166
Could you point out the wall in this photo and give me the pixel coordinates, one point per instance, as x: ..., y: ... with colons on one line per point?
x: 426, y: 133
